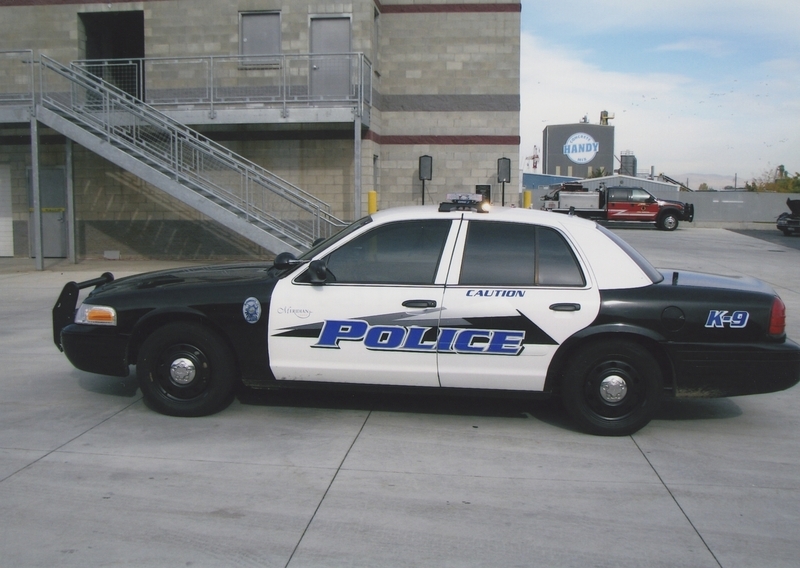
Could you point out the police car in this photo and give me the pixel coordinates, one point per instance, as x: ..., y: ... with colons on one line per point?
x: 449, y: 298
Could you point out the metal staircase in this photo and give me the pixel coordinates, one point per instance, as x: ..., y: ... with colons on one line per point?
x: 222, y: 185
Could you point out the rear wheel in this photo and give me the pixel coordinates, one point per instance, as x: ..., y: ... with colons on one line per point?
x: 612, y: 388
x: 185, y: 369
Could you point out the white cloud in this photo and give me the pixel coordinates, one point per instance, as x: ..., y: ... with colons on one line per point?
x: 675, y: 122
x: 715, y: 48
x: 731, y: 18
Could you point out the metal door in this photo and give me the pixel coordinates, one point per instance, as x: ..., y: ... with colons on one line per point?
x: 53, y: 196
x: 330, y: 62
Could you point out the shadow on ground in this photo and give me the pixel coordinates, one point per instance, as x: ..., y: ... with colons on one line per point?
x: 549, y: 411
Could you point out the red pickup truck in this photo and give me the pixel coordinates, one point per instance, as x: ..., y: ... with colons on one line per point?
x: 618, y: 203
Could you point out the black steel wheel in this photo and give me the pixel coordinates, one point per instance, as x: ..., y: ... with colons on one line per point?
x: 185, y: 369
x: 612, y: 387
x: 668, y: 221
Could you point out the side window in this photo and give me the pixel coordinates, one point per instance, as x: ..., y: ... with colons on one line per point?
x: 556, y: 263
x: 398, y: 253
x: 639, y: 195
x: 510, y: 254
x: 259, y: 33
x: 499, y: 254
x: 618, y: 194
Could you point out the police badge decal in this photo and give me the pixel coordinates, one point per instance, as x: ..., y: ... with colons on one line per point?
x: 251, y: 310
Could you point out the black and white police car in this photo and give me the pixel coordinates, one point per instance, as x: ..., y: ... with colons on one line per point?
x: 454, y: 298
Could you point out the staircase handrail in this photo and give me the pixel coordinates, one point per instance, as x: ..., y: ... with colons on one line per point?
x: 324, y: 221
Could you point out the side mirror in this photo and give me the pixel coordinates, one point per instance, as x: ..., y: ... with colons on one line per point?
x: 285, y: 260
x: 318, y: 272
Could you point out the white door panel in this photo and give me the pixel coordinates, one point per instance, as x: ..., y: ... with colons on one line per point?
x: 526, y: 312
x: 374, y: 319
x: 353, y: 334
x: 522, y: 291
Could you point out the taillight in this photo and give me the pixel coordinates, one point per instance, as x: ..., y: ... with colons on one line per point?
x: 777, y: 317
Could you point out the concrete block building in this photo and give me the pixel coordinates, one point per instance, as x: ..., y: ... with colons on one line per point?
x: 320, y: 102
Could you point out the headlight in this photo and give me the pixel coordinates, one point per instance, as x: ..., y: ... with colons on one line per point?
x: 96, y: 315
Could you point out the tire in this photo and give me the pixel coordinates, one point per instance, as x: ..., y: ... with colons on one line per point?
x: 628, y: 372
x: 204, y: 382
x: 786, y: 232
x: 668, y: 221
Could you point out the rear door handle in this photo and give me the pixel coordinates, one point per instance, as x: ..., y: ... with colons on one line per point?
x: 419, y: 304
x: 565, y: 307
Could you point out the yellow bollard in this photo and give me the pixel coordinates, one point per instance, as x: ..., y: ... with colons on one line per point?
x: 526, y: 199
x: 372, y: 202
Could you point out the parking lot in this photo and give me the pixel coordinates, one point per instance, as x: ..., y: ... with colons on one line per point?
x: 89, y: 476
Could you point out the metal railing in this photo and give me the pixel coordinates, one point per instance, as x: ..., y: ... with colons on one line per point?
x: 283, y: 80
x: 16, y: 77
x: 185, y: 155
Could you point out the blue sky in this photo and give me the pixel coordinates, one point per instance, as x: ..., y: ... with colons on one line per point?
x: 703, y: 90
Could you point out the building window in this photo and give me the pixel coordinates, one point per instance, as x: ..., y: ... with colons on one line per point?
x: 259, y: 33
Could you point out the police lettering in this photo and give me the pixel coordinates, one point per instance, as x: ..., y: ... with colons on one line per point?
x: 496, y: 293
x: 400, y: 338
x: 720, y: 318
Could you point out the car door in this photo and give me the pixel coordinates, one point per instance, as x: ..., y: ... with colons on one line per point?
x: 515, y: 292
x: 619, y: 204
x: 644, y: 206
x: 375, y: 317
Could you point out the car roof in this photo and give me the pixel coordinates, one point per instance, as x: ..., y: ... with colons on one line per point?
x: 508, y: 214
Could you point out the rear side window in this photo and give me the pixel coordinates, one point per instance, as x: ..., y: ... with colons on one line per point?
x: 618, y: 194
x: 514, y: 254
x: 398, y: 253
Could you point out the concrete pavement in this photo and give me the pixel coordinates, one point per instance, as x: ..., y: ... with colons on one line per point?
x: 89, y: 476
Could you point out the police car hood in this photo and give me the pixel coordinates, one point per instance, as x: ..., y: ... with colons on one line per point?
x: 190, y: 276
x: 703, y: 280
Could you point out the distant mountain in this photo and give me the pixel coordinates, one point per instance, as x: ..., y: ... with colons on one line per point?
x: 714, y: 181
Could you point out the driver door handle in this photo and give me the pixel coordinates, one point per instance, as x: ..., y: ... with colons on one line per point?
x: 565, y: 307
x: 419, y: 304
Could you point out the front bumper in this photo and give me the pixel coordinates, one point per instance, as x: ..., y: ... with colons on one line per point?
x: 786, y: 222
x: 714, y: 370
x: 96, y: 349
x: 91, y: 348
x: 64, y: 309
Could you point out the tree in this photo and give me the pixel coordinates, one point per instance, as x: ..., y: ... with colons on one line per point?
x: 702, y: 187
x: 775, y: 181
x: 597, y: 172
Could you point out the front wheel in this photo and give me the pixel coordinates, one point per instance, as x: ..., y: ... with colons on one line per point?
x: 612, y: 388
x: 668, y: 222
x: 185, y: 369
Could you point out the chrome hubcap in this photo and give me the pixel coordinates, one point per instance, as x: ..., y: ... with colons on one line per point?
x: 182, y: 371
x: 613, y: 388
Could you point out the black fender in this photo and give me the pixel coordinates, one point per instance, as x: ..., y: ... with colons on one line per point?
x: 650, y: 339
x: 154, y: 319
